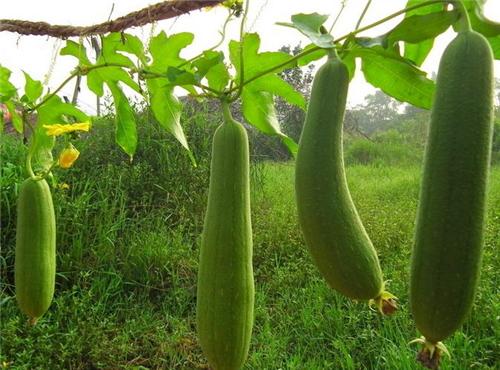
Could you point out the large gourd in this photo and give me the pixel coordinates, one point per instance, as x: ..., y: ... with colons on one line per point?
x: 225, y: 296
x: 450, y: 221
x: 35, y: 262
x: 334, y: 234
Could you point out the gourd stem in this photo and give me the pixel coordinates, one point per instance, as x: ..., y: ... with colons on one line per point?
x: 332, y: 54
x: 464, y: 23
x: 226, y: 112
x: 29, y: 169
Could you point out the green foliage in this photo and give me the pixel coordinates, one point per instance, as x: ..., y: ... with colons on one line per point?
x: 478, y: 21
x: 257, y: 96
x: 7, y: 89
x: 396, y: 77
x: 387, y: 148
x: 311, y: 25
x: 418, y: 52
x: 12, y: 174
x: 432, y: 25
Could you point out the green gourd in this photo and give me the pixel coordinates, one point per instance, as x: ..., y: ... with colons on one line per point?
x: 225, y: 296
x: 35, y: 262
x: 450, y: 221
x: 334, y: 234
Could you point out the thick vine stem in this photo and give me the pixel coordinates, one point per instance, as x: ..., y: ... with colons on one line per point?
x: 153, y: 13
x: 431, y: 353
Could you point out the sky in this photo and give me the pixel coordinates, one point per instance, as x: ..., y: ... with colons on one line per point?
x: 34, y: 54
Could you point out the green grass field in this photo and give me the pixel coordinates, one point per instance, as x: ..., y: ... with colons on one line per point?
x: 125, y: 294
x: 127, y: 256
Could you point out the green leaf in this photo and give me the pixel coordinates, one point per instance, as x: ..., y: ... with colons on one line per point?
x: 97, y: 77
x: 397, y: 78
x: 425, y: 9
x: 258, y: 110
x: 7, y: 90
x: 127, y: 43
x: 166, y: 108
x: 292, y: 146
x: 311, y: 25
x: 495, y: 46
x: 111, y: 44
x: 369, y: 42
x: 350, y: 62
x: 478, y: 21
x: 54, y: 110
x: 165, y: 50
x: 417, y: 28
x: 255, y: 62
x: 208, y: 60
x: 181, y: 77
x: 17, y: 121
x: 418, y: 52
x: 218, y: 77
x: 276, y: 86
x: 32, y: 89
x: 78, y: 51
x: 126, y: 131
x: 311, y: 57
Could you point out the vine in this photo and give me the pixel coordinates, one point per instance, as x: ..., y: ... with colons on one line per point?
x: 208, y: 72
x: 156, y: 12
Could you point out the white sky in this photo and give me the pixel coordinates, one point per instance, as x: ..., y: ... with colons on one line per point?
x: 33, y: 54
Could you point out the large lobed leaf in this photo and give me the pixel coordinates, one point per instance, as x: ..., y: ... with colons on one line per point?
x: 257, y: 96
x: 418, y: 52
x: 396, y: 77
x: 311, y: 25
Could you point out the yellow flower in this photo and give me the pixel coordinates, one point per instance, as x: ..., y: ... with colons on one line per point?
x: 59, y: 129
x: 63, y: 186
x: 68, y: 156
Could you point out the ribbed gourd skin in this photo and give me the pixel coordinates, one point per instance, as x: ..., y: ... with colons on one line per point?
x: 225, y: 297
x: 334, y: 234
x: 449, y: 228
x: 35, y: 262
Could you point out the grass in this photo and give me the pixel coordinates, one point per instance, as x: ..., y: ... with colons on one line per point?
x: 127, y: 261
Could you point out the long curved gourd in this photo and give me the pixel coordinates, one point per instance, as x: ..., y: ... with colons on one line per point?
x: 225, y: 278
x: 450, y: 221
x: 334, y: 234
x: 35, y: 262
